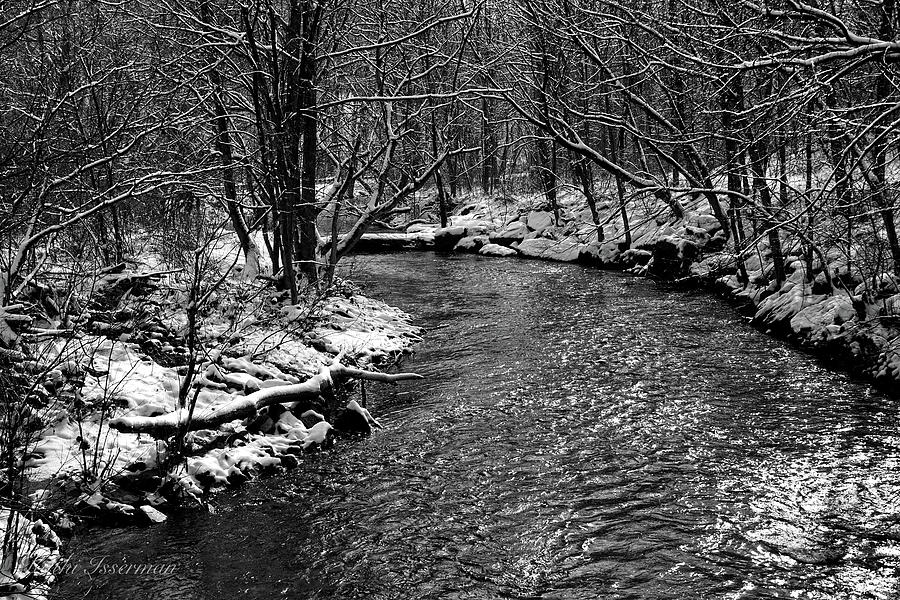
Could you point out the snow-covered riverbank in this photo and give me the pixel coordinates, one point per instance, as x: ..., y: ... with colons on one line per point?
x: 855, y: 323
x: 131, y: 359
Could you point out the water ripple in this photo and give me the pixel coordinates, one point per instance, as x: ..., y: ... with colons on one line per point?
x: 579, y: 435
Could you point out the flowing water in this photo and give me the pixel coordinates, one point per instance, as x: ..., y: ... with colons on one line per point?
x: 579, y: 434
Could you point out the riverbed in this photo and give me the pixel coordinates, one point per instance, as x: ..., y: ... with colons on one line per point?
x: 579, y: 434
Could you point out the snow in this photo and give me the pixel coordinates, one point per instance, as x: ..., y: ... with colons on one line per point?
x: 496, y: 250
x: 539, y: 220
x: 567, y: 250
x: 273, y: 349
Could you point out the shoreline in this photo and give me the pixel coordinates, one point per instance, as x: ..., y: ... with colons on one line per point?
x: 847, y: 331
x: 80, y: 471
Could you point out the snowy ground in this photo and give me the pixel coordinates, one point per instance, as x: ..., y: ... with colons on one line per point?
x: 132, y: 364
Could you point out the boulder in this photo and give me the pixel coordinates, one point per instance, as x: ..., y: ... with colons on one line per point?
x: 883, y: 286
x: 632, y: 257
x: 472, y: 243
x: 708, y: 223
x: 539, y: 220
x: 672, y: 257
x: 514, y: 232
x: 891, y: 306
x: 697, y: 234
x: 566, y: 250
x: 590, y: 254
x: 446, y: 238
x: 496, y: 250
x: 610, y: 253
x: 813, y: 319
x: 820, y: 284
x: 714, y: 266
x: 352, y: 422
x: 421, y: 227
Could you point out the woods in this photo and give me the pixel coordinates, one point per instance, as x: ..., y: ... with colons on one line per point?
x: 179, y: 180
x: 779, y: 115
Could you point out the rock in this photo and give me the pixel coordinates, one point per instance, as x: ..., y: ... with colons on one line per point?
x: 120, y: 510
x: 103, y: 509
x: 882, y: 286
x: 891, y: 306
x: 632, y: 257
x: 714, y: 266
x: 311, y: 417
x: 708, y: 223
x: 289, y: 461
x: 45, y: 536
x: 672, y: 257
x: 156, y: 500
x: 319, y: 435
x: 252, y: 384
x: 514, y: 232
x: 350, y: 422
x: 563, y: 250
x: 850, y: 278
x: 422, y: 227
x: 54, y: 380
x: 610, y: 253
x: 470, y: 243
x: 447, y: 237
x: 717, y: 242
x: 236, y: 477
x: 697, y: 234
x: 820, y: 284
x: 589, y: 254
x: 64, y: 526
x: 539, y: 220
x: 496, y: 250
x: 151, y: 515
x: 820, y: 312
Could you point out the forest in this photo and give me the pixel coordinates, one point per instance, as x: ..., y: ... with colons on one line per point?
x: 187, y: 187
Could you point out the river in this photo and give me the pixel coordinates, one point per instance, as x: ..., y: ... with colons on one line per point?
x: 579, y: 434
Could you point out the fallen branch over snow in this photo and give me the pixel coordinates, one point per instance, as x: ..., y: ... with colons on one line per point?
x: 247, y: 406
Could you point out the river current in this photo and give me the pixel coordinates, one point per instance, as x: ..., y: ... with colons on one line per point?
x: 579, y: 434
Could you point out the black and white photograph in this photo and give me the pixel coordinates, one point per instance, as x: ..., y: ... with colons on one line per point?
x: 449, y: 299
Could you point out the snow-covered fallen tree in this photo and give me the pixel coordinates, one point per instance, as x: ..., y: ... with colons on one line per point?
x: 243, y: 407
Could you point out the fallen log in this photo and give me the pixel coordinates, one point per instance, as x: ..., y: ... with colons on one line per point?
x: 243, y: 407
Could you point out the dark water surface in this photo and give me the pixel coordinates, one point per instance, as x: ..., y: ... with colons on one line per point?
x: 579, y: 435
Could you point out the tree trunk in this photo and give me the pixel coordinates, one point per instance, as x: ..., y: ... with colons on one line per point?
x: 758, y: 161
x: 244, y: 407
x: 616, y: 146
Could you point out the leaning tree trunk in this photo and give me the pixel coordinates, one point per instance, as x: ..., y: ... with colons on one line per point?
x: 243, y: 407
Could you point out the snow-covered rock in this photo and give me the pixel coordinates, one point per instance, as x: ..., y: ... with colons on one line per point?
x: 446, y: 237
x: 815, y: 318
x: 152, y: 515
x: 422, y: 227
x: 884, y: 285
x: 496, y: 250
x: 539, y: 220
x: 514, y: 232
x: 471, y: 243
x: 610, y: 253
x: 632, y: 257
x: 566, y: 250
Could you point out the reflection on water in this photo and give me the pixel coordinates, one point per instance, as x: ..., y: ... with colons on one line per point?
x: 579, y: 435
